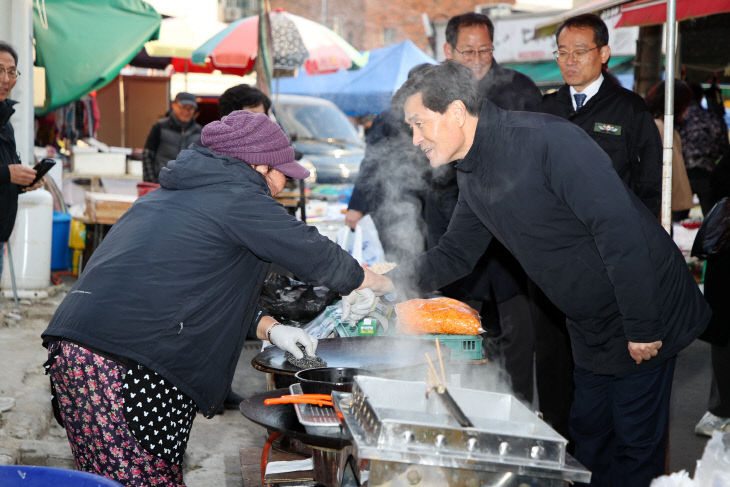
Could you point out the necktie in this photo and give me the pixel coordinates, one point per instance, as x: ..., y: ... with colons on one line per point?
x: 580, y: 98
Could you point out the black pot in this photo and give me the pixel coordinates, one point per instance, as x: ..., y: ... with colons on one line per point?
x: 324, y: 380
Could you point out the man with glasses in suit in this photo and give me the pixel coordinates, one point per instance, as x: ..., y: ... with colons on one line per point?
x: 620, y: 122
x: 616, y: 118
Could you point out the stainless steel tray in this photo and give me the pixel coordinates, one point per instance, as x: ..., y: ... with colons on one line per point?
x: 315, y: 419
x: 393, y: 420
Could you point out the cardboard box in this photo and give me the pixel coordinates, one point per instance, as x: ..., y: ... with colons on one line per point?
x: 107, y: 208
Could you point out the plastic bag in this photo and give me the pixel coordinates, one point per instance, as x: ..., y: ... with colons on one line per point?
x: 324, y: 324
x: 676, y: 479
x: 713, y: 237
x: 292, y: 301
x: 441, y: 316
x: 713, y: 469
x: 363, y: 243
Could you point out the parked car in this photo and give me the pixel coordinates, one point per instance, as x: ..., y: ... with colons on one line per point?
x: 331, y: 147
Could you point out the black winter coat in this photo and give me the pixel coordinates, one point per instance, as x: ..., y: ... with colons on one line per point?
x: 510, y: 90
x: 620, y: 122
x: 717, y: 272
x: 164, y: 142
x: 175, y: 283
x: 587, y: 242
x: 8, y: 155
x: 498, y: 275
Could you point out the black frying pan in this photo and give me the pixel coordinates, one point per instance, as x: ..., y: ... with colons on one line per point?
x: 376, y: 353
x: 324, y: 380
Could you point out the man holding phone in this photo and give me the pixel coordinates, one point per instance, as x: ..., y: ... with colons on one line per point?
x: 14, y: 176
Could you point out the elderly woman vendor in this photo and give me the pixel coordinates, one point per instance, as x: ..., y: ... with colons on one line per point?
x: 152, y: 330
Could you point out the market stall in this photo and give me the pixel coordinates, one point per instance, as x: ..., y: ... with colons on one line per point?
x: 399, y: 397
x: 388, y: 431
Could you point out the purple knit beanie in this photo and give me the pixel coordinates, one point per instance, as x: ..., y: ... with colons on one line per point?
x: 254, y: 139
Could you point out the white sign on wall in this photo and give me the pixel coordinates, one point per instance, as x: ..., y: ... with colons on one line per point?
x: 514, y: 38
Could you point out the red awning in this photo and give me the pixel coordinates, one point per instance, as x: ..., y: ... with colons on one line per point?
x: 650, y: 12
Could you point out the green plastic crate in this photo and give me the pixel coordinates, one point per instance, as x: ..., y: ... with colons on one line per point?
x: 462, y: 347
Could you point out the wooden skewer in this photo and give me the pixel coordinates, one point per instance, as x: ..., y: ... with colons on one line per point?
x: 432, y: 369
x: 432, y: 381
x: 432, y: 378
x: 441, y: 362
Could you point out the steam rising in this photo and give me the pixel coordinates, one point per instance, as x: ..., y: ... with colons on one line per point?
x: 394, y: 175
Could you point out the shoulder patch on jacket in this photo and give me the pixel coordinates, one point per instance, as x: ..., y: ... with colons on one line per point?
x: 607, y: 128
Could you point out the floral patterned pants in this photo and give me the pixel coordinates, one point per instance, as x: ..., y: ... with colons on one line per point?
x: 88, y: 388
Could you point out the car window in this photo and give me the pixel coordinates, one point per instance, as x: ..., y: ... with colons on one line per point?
x: 323, y: 122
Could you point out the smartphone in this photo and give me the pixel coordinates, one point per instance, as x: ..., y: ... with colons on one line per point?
x: 41, y: 169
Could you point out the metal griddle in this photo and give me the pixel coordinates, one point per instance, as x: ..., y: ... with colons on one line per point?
x: 283, y: 418
x: 398, y: 427
x: 375, y: 353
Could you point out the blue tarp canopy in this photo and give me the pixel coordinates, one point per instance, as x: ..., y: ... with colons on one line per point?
x: 366, y: 90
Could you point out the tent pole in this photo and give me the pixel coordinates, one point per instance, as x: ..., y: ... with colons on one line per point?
x: 671, y: 30
x: 264, y: 62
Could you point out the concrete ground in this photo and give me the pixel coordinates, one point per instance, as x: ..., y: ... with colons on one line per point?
x: 29, y: 435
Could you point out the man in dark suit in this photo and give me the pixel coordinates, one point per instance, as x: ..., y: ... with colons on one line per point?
x: 620, y: 122
x: 498, y: 280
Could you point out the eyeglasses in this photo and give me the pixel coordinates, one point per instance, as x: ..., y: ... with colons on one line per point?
x: 577, y: 55
x: 12, y: 72
x: 470, y: 53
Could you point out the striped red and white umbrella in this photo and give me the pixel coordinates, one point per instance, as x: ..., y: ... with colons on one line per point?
x: 296, y: 41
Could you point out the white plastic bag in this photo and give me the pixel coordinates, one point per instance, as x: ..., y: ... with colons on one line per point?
x: 363, y: 243
x: 713, y: 469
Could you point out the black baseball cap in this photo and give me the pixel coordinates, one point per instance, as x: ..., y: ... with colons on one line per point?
x: 185, y: 98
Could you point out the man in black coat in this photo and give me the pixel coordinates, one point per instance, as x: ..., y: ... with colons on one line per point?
x: 616, y: 118
x: 470, y: 42
x: 169, y: 135
x: 619, y: 121
x: 587, y: 242
x: 717, y: 290
x: 498, y: 279
x: 13, y: 175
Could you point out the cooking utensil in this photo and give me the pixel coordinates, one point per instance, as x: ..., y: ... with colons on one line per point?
x: 439, y: 387
x: 316, y: 399
x: 324, y: 380
x: 283, y: 418
x: 316, y: 420
x: 453, y: 408
x: 375, y: 353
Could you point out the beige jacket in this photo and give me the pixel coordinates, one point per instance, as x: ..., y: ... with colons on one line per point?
x: 681, y: 191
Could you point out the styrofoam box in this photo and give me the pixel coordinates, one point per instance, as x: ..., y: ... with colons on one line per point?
x: 93, y: 163
x: 134, y: 168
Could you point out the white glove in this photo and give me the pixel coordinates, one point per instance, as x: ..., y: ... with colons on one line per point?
x: 357, y: 304
x: 287, y: 337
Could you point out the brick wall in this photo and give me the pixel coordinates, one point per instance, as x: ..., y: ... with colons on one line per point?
x: 370, y: 24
